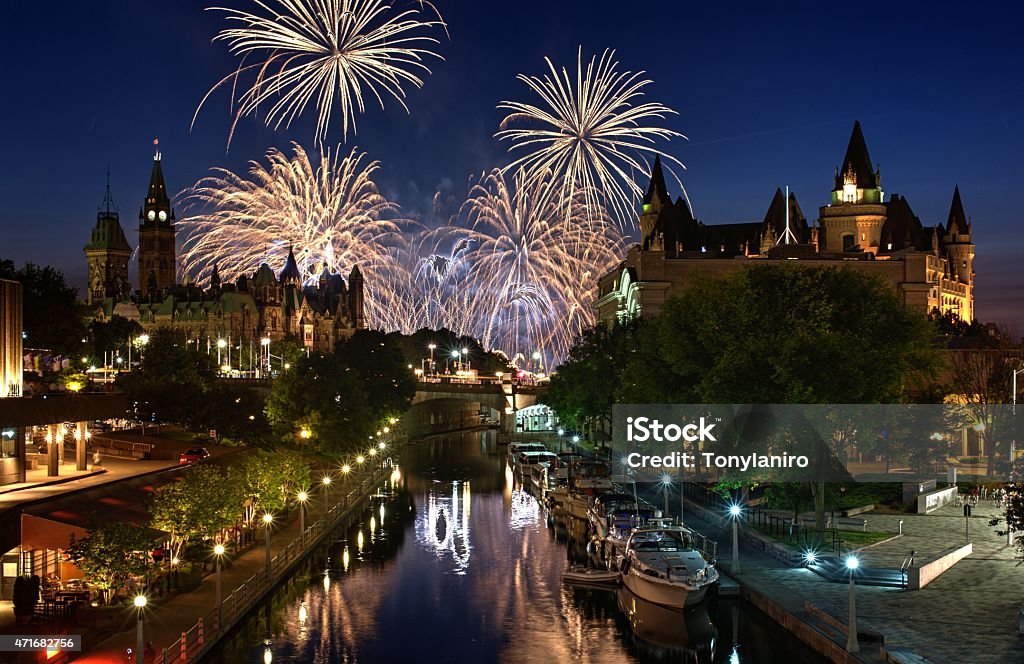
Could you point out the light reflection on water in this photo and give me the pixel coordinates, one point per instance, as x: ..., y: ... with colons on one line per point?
x: 460, y: 565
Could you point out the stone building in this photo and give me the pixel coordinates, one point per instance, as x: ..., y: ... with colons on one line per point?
x: 263, y: 305
x: 10, y: 339
x: 931, y: 267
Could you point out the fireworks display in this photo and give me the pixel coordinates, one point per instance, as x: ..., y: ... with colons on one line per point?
x: 516, y: 266
x: 330, y: 212
x: 325, y: 52
x: 590, y: 130
x: 528, y: 271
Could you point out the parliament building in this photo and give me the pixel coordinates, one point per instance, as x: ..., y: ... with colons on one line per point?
x: 263, y: 305
x: 931, y: 267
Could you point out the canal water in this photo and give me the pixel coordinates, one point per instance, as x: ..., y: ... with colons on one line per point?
x: 456, y: 564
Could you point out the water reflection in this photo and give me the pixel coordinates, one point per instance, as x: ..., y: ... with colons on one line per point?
x: 480, y: 581
x: 443, y: 525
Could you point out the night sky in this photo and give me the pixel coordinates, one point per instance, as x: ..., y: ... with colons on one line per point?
x: 767, y: 97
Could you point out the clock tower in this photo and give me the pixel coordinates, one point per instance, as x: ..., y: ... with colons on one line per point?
x: 157, y: 251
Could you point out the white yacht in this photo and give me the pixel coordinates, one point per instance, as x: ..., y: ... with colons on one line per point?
x: 662, y: 566
x: 587, y: 479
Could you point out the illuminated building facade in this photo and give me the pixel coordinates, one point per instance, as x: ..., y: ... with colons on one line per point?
x: 10, y: 339
x: 263, y: 305
x: 931, y: 267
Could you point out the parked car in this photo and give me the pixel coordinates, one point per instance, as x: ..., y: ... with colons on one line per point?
x: 194, y: 454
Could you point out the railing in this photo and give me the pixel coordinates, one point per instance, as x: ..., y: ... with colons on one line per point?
x: 908, y: 562
x: 788, y: 530
x: 193, y: 642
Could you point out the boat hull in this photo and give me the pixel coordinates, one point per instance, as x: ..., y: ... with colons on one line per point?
x: 674, y: 595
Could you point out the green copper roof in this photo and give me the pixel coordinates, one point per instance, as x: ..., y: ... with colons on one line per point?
x: 108, y: 234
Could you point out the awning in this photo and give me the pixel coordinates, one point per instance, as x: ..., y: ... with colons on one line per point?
x: 42, y: 533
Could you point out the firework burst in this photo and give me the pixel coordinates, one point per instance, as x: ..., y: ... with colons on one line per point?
x: 525, y: 274
x: 325, y: 52
x: 591, y: 131
x: 330, y: 213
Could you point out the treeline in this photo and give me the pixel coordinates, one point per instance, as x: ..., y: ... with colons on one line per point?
x: 327, y: 403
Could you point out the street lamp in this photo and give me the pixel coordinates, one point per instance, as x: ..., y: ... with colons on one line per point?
x: 218, y: 551
x: 360, y: 459
x: 576, y: 442
x: 325, y: 481
x: 268, y: 519
x: 432, y: 347
x: 140, y: 603
x: 666, y: 483
x: 221, y: 345
x: 302, y: 497
x: 852, y: 563
x: 734, y: 513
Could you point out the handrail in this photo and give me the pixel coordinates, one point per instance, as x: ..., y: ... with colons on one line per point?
x: 908, y: 562
x: 193, y: 641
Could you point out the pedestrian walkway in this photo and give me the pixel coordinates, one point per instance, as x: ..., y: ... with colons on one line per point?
x: 165, y: 620
x: 969, y: 614
x: 113, y: 469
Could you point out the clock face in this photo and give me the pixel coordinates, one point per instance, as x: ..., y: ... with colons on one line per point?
x: 163, y: 216
x: 152, y: 215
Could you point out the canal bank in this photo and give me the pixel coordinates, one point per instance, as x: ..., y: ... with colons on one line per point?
x: 460, y: 564
x: 183, y: 628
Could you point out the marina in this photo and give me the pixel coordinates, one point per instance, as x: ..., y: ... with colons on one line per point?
x: 460, y: 531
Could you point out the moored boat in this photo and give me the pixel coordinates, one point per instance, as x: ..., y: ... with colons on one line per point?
x: 662, y: 565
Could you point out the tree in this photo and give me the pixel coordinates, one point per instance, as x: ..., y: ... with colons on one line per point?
x: 170, y: 383
x: 981, y: 379
x: 380, y: 363
x: 236, y: 413
x: 583, y: 390
x: 196, y: 508
x: 111, y: 554
x: 113, y: 335
x: 53, y: 319
x: 266, y: 483
x: 321, y: 405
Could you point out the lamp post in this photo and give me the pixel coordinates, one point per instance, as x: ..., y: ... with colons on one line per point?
x: 221, y: 345
x: 666, y: 482
x: 1013, y: 414
x: 218, y: 552
x: 734, y: 514
x: 268, y: 518
x: 456, y: 356
x: 302, y: 497
x: 140, y: 603
x: 852, y: 563
x: 431, y: 347
x: 265, y: 344
x: 561, y: 443
x: 325, y: 482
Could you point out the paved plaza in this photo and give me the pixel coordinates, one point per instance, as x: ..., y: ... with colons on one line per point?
x: 969, y: 614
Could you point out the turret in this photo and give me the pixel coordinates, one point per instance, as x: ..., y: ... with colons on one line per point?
x: 355, y: 298
x: 958, y: 240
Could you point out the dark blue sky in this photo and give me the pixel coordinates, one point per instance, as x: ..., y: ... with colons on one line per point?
x: 767, y: 96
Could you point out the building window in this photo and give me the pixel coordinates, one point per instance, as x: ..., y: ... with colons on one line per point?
x: 848, y: 242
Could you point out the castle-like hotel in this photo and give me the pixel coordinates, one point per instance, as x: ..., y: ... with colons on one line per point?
x: 265, y: 305
x: 931, y: 267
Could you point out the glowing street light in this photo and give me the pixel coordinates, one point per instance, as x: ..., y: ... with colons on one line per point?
x: 304, y: 433
x: 666, y: 484
x: 325, y: 482
x: 140, y: 604
x: 810, y: 557
x: 852, y: 563
x: 382, y: 445
x: 734, y: 513
x: 302, y: 497
x: 360, y: 459
x: 143, y: 339
x: 218, y: 552
x: 268, y: 519
x: 372, y: 451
